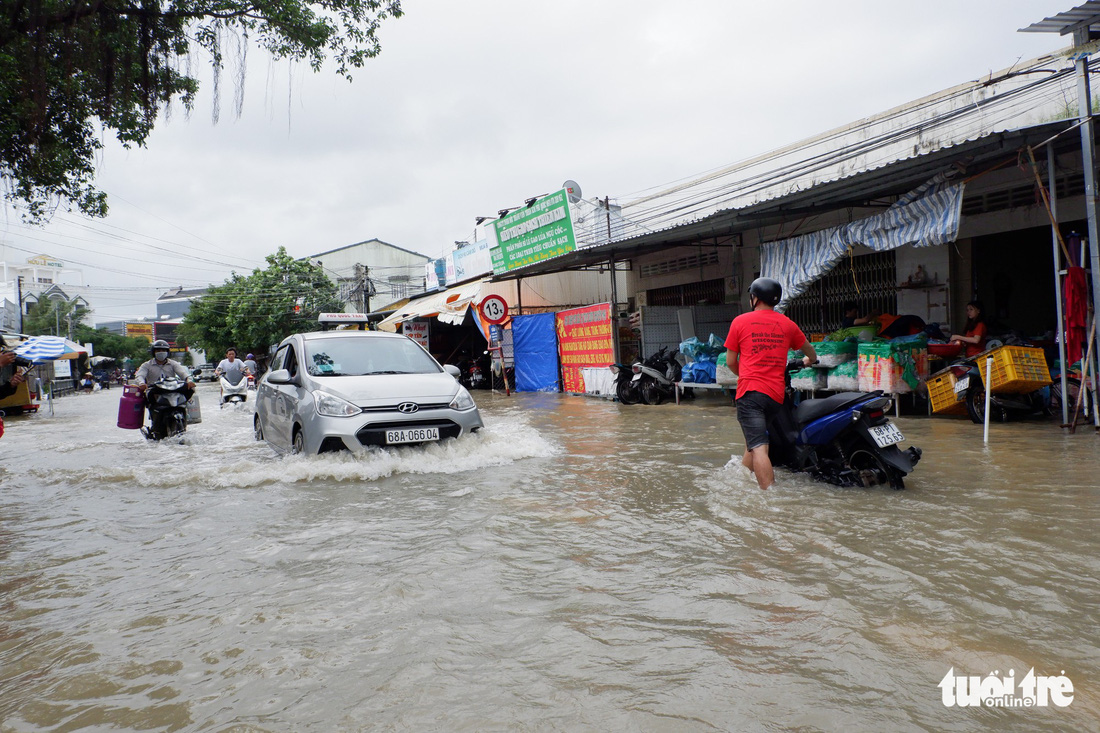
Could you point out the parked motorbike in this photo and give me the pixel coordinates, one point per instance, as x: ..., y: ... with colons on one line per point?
x: 845, y: 439
x: 625, y: 388
x: 475, y: 376
x: 655, y: 377
x: 167, y: 403
x: 1002, y: 407
x: 234, y: 388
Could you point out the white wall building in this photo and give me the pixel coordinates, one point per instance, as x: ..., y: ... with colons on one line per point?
x: 38, y: 277
x: 373, y: 274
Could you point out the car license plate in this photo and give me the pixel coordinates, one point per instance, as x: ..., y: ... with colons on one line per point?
x: 962, y: 384
x: 885, y: 435
x: 411, y: 435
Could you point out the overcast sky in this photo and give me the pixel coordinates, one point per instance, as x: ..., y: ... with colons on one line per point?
x: 474, y: 106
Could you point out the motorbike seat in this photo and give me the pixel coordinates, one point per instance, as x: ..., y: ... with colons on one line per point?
x: 810, y: 410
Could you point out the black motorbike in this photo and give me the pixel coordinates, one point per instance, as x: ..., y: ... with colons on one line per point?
x: 626, y: 389
x: 845, y: 439
x: 167, y: 403
x: 655, y: 377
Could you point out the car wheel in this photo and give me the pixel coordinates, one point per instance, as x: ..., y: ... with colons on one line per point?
x: 257, y: 429
x: 299, y: 444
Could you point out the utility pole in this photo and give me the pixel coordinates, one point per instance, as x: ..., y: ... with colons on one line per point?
x: 19, y: 299
x: 362, y: 287
x: 1081, y: 37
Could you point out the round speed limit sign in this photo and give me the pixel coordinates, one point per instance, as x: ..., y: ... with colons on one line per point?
x: 494, y: 309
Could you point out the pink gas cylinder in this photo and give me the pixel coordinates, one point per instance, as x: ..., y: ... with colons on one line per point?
x: 131, y: 408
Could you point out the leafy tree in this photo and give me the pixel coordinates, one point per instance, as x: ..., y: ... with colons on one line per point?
x: 255, y: 312
x: 54, y: 316
x: 114, y: 345
x: 71, y: 68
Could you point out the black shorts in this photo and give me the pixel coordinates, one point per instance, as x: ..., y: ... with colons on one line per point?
x: 754, y: 410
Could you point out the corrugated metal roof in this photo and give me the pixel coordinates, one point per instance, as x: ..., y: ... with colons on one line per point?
x: 886, y: 180
x: 1064, y: 23
x: 1011, y: 99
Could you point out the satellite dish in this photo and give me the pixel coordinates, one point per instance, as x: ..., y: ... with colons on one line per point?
x: 573, y: 190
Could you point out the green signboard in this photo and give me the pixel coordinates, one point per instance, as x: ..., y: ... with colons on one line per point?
x: 534, y: 233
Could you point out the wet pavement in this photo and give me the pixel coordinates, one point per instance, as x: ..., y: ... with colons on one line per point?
x: 579, y: 565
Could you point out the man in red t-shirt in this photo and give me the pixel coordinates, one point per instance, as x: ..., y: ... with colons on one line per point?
x: 757, y: 347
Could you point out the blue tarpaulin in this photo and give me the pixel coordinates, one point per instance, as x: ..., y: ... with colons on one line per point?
x: 536, y: 353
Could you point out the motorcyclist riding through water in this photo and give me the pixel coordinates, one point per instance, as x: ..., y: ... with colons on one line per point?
x: 158, y: 368
x: 250, y: 370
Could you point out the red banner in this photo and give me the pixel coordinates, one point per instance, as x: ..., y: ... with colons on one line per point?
x: 584, y: 340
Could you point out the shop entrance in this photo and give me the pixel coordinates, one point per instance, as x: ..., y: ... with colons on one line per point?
x: 1014, y: 279
x: 462, y: 345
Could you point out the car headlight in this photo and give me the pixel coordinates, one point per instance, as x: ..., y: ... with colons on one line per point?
x: 462, y: 400
x: 333, y: 406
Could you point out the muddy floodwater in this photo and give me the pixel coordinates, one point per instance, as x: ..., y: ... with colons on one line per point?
x: 577, y: 566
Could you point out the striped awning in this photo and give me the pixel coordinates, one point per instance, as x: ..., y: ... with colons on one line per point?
x: 449, y: 306
x: 41, y: 349
x: 927, y: 216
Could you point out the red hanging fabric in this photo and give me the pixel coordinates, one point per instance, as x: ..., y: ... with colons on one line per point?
x: 1076, y: 293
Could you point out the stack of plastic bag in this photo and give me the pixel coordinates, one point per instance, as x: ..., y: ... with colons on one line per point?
x: 835, y: 353
x: 723, y: 374
x: 703, y: 359
x: 844, y: 378
x: 898, y: 366
x: 700, y: 372
x: 809, y: 379
x: 697, y: 350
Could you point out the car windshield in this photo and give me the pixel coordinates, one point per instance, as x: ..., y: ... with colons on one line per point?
x: 354, y: 357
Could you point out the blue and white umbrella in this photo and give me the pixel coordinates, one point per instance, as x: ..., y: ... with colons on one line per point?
x: 41, y: 349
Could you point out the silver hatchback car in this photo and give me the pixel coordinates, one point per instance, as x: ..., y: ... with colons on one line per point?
x: 336, y: 390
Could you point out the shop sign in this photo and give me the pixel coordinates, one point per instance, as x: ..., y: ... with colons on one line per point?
x: 417, y: 331
x: 45, y: 261
x: 472, y: 260
x: 140, y: 330
x: 584, y: 340
x: 341, y: 317
x: 534, y: 233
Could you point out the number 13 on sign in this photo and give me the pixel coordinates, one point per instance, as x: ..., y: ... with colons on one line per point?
x: 494, y: 309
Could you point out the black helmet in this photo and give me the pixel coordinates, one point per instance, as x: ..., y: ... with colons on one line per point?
x: 766, y: 290
x: 159, y: 345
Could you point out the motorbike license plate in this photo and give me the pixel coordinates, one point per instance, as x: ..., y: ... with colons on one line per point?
x: 962, y: 384
x: 885, y: 435
x: 411, y: 435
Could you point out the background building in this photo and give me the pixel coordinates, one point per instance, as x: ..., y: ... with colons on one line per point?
x: 372, y: 274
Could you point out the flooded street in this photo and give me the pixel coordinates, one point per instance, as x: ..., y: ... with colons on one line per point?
x: 578, y: 565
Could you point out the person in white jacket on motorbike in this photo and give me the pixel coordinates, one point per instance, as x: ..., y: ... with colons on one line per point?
x: 231, y: 364
x: 232, y: 369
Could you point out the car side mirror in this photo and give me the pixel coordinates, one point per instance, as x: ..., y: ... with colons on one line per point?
x: 280, y: 376
x: 452, y: 370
